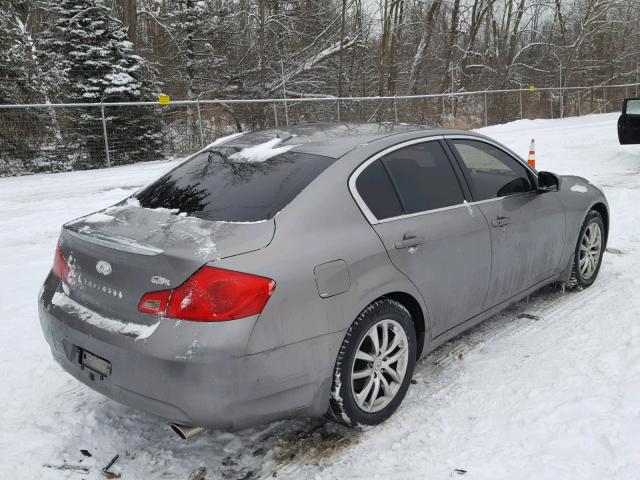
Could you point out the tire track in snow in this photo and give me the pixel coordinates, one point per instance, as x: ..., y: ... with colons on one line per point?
x: 539, y: 312
x: 317, y: 443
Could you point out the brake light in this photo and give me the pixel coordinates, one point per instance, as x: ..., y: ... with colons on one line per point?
x: 61, y: 267
x: 211, y: 295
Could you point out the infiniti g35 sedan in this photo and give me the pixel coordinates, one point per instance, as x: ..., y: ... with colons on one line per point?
x: 303, y: 271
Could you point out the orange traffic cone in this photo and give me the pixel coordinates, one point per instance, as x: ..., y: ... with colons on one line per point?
x: 532, y: 154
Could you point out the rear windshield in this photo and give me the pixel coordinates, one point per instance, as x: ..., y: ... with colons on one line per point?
x: 214, y: 186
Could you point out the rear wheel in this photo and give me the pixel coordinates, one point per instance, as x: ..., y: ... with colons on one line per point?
x: 375, y: 365
x: 589, y: 249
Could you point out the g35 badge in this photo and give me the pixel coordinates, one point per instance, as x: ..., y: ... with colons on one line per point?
x: 158, y: 280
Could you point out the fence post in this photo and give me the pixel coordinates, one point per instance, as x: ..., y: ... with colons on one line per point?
x: 286, y: 112
x: 284, y: 91
x: 275, y: 114
x: 338, y: 108
x: 486, y: 119
x: 106, y: 139
x: 395, y: 107
x: 551, y: 102
x: 604, y: 99
x: 578, y: 102
x: 521, y: 105
x: 200, y: 123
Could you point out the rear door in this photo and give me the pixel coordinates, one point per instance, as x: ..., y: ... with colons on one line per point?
x: 629, y: 122
x: 527, y: 227
x: 415, y: 200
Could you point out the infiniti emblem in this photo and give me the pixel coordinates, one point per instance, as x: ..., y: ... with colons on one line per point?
x: 103, y: 267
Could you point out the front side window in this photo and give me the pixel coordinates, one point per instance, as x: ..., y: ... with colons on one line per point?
x: 222, y: 185
x: 492, y: 172
x: 423, y: 177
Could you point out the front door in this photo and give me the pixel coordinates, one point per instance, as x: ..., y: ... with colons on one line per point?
x: 629, y: 122
x: 527, y: 227
x: 441, y: 243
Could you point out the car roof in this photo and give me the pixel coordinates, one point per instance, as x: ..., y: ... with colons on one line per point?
x: 333, y: 139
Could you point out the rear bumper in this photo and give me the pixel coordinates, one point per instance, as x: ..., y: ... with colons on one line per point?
x: 196, y: 373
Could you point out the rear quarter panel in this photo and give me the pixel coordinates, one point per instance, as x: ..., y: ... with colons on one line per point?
x: 321, y: 225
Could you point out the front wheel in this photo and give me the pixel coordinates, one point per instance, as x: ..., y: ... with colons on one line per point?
x: 374, y: 366
x: 589, y: 249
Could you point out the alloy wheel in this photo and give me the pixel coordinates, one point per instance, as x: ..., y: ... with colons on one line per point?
x: 590, y: 250
x: 379, y: 366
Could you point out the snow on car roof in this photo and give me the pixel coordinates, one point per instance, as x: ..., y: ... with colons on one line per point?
x: 328, y: 139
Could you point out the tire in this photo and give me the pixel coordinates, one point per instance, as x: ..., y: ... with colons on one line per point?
x: 583, y: 276
x: 350, y: 403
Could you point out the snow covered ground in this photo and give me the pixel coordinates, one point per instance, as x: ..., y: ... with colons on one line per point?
x: 549, y: 389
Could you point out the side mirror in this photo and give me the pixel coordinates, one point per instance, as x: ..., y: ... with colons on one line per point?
x: 547, y: 182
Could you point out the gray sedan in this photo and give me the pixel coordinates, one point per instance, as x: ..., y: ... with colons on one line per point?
x: 304, y: 270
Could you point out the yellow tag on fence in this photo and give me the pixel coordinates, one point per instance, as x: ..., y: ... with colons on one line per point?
x: 164, y: 99
x: 532, y: 88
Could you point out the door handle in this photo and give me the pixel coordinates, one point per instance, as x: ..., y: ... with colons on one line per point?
x: 408, y: 242
x: 500, y: 221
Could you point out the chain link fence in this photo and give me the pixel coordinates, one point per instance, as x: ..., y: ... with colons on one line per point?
x: 60, y: 137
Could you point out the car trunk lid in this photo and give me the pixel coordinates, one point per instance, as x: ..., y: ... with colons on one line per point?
x: 119, y: 254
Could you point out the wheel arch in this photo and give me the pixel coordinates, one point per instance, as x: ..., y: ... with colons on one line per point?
x: 601, y: 208
x: 417, y: 315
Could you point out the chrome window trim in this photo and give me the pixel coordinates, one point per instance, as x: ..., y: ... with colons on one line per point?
x: 373, y: 220
x: 452, y: 207
x: 425, y: 212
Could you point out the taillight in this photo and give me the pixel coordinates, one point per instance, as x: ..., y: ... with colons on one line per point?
x: 61, y: 267
x: 155, y: 302
x: 211, y: 295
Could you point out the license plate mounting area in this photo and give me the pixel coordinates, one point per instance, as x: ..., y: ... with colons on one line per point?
x: 95, y: 364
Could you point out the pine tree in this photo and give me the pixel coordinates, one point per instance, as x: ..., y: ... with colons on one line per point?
x: 19, y: 83
x: 91, y: 55
x: 196, y: 27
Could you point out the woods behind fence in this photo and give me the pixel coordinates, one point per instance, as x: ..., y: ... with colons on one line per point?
x: 36, y: 138
x: 110, y: 51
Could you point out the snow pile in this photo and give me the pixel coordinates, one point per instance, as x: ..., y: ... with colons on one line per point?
x: 98, y: 217
x: 221, y: 140
x: 261, y: 152
x: 62, y: 301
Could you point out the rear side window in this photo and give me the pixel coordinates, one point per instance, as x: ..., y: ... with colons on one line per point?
x: 423, y: 177
x: 492, y: 172
x: 375, y: 188
x: 214, y: 186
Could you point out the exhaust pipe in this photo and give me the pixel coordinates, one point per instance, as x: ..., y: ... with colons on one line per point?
x: 186, y: 432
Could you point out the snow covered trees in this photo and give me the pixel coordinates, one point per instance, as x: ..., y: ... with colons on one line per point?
x: 111, y: 50
x: 20, y: 82
x: 94, y: 61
